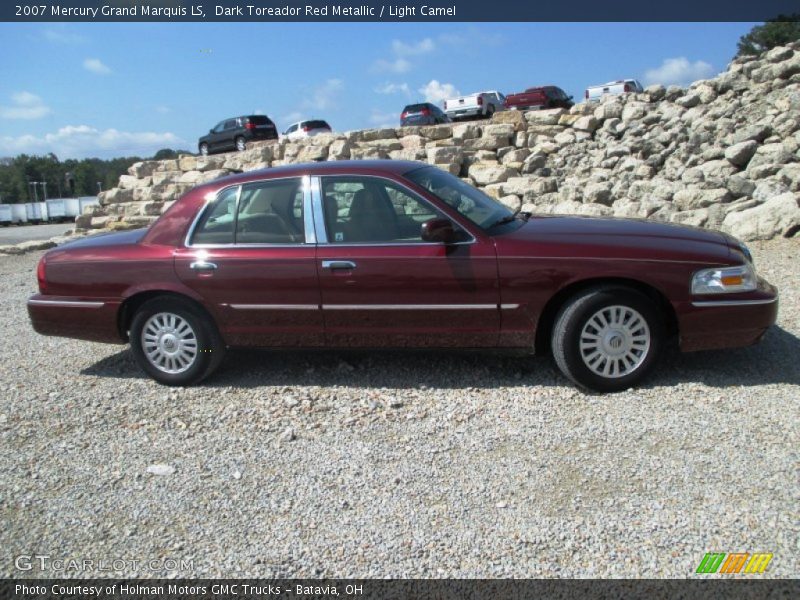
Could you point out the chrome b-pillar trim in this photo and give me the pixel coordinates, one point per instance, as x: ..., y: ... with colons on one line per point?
x: 318, y: 211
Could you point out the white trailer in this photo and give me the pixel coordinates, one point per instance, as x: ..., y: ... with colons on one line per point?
x: 18, y: 213
x: 56, y: 209
x: 5, y: 214
x: 87, y: 201
x: 34, y: 213
x: 72, y: 208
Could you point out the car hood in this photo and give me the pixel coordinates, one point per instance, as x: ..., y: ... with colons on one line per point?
x: 616, y: 238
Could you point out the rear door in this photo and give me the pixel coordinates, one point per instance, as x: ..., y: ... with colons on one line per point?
x: 250, y: 256
x: 382, y: 285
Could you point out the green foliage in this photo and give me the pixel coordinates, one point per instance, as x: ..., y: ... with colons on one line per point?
x: 779, y: 31
x: 15, y: 173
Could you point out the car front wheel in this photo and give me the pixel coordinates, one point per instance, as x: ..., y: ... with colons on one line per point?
x: 240, y: 144
x: 607, y: 339
x: 174, y: 343
x: 204, y: 149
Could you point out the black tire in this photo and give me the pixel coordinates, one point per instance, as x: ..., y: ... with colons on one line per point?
x: 204, y: 149
x: 241, y: 145
x: 607, y: 349
x: 489, y: 111
x: 210, y: 348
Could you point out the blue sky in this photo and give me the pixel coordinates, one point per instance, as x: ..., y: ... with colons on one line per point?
x: 106, y: 90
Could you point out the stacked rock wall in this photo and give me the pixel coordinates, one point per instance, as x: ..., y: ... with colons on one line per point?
x: 722, y: 153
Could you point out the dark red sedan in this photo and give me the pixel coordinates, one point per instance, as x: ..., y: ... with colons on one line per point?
x: 397, y: 254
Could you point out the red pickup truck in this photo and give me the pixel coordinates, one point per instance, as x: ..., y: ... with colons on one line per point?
x: 537, y: 98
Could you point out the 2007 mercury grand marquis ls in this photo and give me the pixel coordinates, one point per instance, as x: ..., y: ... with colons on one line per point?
x: 397, y: 254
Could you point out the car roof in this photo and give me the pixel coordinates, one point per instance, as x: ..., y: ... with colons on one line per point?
x: 333, y: 167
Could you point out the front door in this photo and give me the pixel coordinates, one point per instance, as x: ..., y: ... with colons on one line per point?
x: 250, y: 259
x: 382, y: 285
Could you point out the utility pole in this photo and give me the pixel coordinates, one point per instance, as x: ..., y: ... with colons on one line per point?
x: 44, y: 186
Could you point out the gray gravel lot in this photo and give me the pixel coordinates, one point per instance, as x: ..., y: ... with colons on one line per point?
x: 398, y: 465
x: 25, y: 233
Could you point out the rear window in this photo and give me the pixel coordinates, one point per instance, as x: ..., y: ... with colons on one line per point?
x: 316, y: 125
x: 415, y: 107
x: 259, y: 120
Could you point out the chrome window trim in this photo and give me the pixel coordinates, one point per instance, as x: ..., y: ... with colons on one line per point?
x: 308, y: 216
x: 187, y: 239
x: 411, y: 192
x: 318, y: 212
x: 67, y: 303
x: 722, y: 303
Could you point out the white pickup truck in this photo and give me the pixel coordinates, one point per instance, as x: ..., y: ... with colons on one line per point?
x: 479, y: 104
x: 613, y: 88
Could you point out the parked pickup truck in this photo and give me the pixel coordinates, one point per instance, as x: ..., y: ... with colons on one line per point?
x: 536, y: 98
x: 613, y: 88
x: 479, y: 104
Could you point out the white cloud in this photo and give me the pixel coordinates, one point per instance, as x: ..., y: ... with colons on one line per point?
x: 25, y: 105
x: 678, y: 71
x: 83, y: 141
x: 399, y: 65
x: 380, y: 118
x: 393, y: 88
x: 163, y: 109
x: 293, y: 117
x: 325, y: 96
x: 414, y: 48
x: 61, y: 35
x: 95, y: 65
x: 435, y: 92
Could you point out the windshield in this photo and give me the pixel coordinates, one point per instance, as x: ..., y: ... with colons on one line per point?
x: 469, y: 201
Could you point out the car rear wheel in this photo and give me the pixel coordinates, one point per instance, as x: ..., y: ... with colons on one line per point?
x: 607, y: 339
x: 174, y: 343
x: 240, y: 144
x: 204, y: 149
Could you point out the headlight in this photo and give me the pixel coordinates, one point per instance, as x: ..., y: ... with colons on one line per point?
x: 724, y: 280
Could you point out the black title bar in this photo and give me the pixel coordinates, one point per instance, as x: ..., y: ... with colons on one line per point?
x: 413, y: 10
x: 710, y: 588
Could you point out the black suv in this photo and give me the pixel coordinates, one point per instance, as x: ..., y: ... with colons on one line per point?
x: 233, y: 134
x: 424, y: 113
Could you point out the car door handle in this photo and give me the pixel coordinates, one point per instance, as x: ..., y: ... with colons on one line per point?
x: 338, y: 264
x: 202, y: 265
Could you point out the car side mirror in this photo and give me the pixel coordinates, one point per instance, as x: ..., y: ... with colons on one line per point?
x: 438, y: 230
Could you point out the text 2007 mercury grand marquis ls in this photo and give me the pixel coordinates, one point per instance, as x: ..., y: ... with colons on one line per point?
x: 397, y: 254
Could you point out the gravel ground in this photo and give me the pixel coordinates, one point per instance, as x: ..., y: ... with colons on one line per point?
x: 398, y: 465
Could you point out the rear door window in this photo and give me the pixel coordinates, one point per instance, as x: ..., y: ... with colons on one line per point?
x: 217, y: 223
x: 271, y: 212
x: 230, y: 124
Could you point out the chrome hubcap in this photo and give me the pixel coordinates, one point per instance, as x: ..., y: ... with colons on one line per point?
x: 615, y: 341
x: 169, y: 343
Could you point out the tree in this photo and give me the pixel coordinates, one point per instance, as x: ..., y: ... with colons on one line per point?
x: 779, y: 31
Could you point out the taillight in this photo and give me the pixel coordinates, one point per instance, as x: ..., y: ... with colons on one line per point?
x: 480, y: 100
x: 40, y: 269
x: 425, y: 112
x: 628, y: 87
x: 306, y: 128
x: 403, y: 115
x: 250, y: 126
